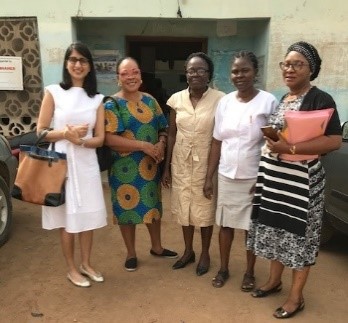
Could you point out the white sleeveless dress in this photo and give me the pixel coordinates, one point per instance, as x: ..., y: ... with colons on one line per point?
x: 84, y: 208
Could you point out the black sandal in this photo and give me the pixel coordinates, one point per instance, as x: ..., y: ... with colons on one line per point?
x: 220, y: 279
x: 248, y: 283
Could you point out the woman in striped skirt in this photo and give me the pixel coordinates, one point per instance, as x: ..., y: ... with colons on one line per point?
x: 289, y: 196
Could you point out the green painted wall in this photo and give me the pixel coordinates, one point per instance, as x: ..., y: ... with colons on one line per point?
x: 322, y: 23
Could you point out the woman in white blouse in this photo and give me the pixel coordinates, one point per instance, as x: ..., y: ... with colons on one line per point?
x: 235, y: 150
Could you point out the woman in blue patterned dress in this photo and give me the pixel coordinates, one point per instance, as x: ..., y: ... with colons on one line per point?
x: 136, y: 132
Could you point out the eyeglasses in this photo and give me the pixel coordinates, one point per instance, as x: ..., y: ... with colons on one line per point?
x: 126, y: 73
x: 297, y: 66
x: 73, y: 60
x: 198, y: 71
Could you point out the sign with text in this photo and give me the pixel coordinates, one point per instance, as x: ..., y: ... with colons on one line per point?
x: 11, y: 75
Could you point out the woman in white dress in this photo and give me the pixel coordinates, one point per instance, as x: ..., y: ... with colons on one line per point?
x: 236, y: 149
x: 75, y: 112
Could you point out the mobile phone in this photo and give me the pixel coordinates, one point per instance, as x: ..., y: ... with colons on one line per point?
x: 270, y: 132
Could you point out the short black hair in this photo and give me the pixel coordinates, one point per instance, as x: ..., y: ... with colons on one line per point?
x: 206, y: 58
x: 90, y: 81
x: 250, y: 56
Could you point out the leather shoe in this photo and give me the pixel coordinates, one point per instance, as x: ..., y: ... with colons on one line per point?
x: 131, y: 264
x: 84, y: 283
x: 280, y: 313
x: 182, y: 264
x: 263, y: 293
x: 201, y: 270
x: 97, y: 277
x: 165, y: 254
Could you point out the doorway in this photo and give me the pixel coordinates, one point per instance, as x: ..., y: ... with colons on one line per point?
x: 162, y: 61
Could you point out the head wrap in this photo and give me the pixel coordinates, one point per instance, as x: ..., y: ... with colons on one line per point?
x: 311, y: 55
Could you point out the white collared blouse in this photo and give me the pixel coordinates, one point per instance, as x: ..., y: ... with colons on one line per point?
x: 237, y: 125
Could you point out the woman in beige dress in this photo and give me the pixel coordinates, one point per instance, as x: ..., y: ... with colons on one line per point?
x: 191, y: 125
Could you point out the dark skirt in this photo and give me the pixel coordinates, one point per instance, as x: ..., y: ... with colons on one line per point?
x: 287, y: 211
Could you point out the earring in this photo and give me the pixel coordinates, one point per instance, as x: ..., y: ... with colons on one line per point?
x: 141, y: 81
x: 119, y: 84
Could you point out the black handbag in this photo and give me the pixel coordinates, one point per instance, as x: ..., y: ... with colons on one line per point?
x: 104, y: 158
x: 104, y: 152
x: 41, y: 175
x: 27, y: 138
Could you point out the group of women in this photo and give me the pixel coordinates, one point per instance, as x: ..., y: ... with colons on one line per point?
x: 219, y: 166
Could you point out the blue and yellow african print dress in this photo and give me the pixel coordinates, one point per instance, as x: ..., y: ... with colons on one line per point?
x: 134, y: 177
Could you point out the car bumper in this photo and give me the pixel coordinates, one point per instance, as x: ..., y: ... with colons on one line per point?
x: 337, y: 223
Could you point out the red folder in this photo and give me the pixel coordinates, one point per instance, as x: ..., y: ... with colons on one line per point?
x: 301, y: 126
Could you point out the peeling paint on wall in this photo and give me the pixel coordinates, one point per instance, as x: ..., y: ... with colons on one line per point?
x: 56, y: 55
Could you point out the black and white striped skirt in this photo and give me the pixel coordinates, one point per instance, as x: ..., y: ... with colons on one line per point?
x: 287, y: 211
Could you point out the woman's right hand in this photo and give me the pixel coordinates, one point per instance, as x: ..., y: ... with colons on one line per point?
x: 150, y: 149
x: 208, y: 189
x: 81, y: 129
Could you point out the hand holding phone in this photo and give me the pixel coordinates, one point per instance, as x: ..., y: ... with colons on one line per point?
x: 270, y: 132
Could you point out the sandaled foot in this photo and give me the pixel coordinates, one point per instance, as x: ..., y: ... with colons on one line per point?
x: 220, y: 279
x: 248, y: 283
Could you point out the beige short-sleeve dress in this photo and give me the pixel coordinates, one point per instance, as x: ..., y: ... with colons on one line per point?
x: 190, y: 157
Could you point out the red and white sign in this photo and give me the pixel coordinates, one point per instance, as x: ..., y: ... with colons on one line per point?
x: 11, y: 73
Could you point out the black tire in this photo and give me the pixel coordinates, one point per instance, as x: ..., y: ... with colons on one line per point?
x: 5, y: 212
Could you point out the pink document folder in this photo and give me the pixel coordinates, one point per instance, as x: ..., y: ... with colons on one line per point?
x: 301, y: 126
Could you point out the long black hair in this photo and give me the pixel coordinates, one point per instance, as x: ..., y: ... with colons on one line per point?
x: 90, y: 81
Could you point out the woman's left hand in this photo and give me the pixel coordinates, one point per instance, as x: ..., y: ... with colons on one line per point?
x: 281, y: 146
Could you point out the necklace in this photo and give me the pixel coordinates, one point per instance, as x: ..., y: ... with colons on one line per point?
x: 133, y: 97
x: 296, y: 96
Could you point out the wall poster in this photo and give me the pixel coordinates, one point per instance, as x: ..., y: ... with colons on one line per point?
x: 11, y: 73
